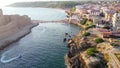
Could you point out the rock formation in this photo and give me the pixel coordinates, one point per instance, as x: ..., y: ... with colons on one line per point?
x: 12, y: 27
x: 77, y: 56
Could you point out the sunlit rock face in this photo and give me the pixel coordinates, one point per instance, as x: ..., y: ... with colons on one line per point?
x: 11, y: 24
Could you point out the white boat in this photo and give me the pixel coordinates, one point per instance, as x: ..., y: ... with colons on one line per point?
x: 3, y: 60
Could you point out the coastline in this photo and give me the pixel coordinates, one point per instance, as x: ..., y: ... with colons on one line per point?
x: 17, y: 36
x: 67, y: 59
x: 27, y: 29
x: 77, y: 56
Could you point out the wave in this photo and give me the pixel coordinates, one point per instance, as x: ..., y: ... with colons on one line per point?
x: 9, y: 60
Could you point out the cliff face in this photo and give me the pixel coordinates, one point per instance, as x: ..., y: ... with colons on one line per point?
x: 10, y: 24
x: 77, y: 56
x: 12, y: 27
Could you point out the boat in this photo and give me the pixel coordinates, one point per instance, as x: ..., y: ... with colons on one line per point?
x: 3, y: 60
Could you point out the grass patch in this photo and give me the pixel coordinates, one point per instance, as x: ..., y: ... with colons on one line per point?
x: 98, y: 40
x: 86, y: 34
x: 92, y: 51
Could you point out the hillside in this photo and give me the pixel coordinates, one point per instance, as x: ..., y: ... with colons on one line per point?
x: 47, y: 4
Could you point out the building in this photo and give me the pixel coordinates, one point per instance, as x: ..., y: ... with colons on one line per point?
x: 109, y: 14
x: 94, y: 12
x: 116, y: 21
x: 97, y: 20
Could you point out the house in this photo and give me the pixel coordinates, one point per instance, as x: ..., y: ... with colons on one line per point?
x: 107, y: 34
x: 94, y: 12
x: 97, y: 20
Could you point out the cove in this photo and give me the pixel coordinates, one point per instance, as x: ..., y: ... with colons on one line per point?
x: 42, y: 48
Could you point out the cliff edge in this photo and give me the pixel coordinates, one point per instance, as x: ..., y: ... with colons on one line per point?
x: 13, y: 27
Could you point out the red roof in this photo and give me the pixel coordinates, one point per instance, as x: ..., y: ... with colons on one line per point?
x: 107, y: 33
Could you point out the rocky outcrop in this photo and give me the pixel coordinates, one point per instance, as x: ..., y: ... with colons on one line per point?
x: 13, y: 27
x: 77, y: 56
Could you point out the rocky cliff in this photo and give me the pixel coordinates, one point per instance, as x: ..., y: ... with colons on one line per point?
x: 13, y: 27
x: 77, y: 56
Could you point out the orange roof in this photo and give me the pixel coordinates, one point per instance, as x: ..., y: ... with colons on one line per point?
x: 108, y: 33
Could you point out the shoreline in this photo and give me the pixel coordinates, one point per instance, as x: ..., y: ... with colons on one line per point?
x: 25, y: 31
x: 17, y: 36
x: 66, y: 58
x: 76, y: 56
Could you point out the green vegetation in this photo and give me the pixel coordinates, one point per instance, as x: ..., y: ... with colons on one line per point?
x: 99, y: 40
x: 72, y: 9
x: 91, y: 51
x: 86, y: 34
x: 106, y: 27
x: 47, y: 4
x: 114, y: 44
x: 89, y: 22
x: 84, y: 21
x: 91, y: 26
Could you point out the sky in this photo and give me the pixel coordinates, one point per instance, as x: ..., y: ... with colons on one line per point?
x: 7, y: 2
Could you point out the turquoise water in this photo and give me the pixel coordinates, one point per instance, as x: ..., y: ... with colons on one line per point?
x: 43, y: 47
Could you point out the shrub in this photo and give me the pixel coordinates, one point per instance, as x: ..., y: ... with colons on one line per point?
x: 84, y: 21
x: 114, y: 44
x: 106, y: 27
x: 73, y: 9
x: 99, y: 40
x: 91, y: 26
x: 86, y: 34
x: 91, y: 51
